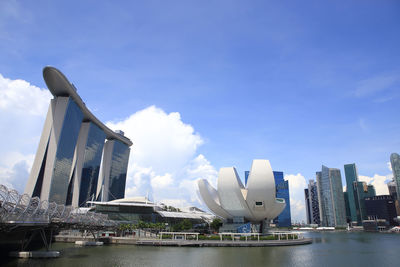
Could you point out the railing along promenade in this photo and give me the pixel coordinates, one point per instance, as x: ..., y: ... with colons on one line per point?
x: 22, y: 210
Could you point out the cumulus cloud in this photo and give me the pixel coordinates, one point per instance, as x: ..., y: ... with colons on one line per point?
x: 164, y: 162
x: 21, y: 97
x: 378, y: 181
x: 22, y: 112
x: 297, y: 183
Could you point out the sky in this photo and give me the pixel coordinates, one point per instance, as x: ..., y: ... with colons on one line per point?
x: 200, y: 85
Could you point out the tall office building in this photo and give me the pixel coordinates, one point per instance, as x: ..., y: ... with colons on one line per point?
x: 331, y: 199
x: 381, y: 207
x: 313, y: 203
x: 307, y: 202
x: 282, y: 191
x: 66, y: 165
x: 350, y: 172
x: 392, y: 189
x: 395, y: 162
x: 361, y: 191
x: 113, y: 171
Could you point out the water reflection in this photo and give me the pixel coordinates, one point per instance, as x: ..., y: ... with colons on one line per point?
x: 328, y: 249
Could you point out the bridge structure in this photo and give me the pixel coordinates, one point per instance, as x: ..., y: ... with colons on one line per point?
x: 23, y: 217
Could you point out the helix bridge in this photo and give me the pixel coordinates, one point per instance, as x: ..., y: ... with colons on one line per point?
x: 22, y: 217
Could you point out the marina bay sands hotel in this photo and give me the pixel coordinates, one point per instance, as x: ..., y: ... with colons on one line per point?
x: 79, y: 159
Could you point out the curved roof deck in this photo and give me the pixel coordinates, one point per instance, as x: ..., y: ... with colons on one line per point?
x: 59, y: 85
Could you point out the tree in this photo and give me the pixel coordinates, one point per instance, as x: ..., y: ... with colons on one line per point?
x: 216, y: 224
x: 186, y: 224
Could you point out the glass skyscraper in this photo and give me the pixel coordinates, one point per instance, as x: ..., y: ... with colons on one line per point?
x: 282, y: 191
x: 67, y: 162
x: 312, y: 203
x: 350, y: 172
x: 395, y: 162
x: 113, y: 171
x: 87, y: 159
x: 119, y: 165
x: 362, y: 191
x: 331, y: 198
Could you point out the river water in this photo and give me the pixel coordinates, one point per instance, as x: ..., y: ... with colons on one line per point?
x: 328, y: 249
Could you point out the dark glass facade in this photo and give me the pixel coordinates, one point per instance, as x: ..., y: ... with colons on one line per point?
x: 119, y: 165
x: 395, y: 162
x: 362, y: 191
x: 381, y: 207
x: 282, y: 191
x: 131, y: 214
x: 65, y: 152
x: 307, y: 201
x: 91, y: 165
x: 313, y: 202
x: 350, y: 172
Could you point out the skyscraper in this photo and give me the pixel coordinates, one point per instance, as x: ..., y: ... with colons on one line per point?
x: 88, y: 154
x: 392, y: 189
x: 113, y: 171
x: 282, y: 191
x: 361, y: 191
x: 350, y: 172
x: 66, y: 166
x: 395, y: 162
x: 330, y: 196
x: 50, y: 175
x: 313, y: 203
x: 307, y: 202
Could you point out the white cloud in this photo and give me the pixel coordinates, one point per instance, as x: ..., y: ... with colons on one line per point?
x: 378, y: 181
x: 375, y: 84
x: 161, y: 181
x: 164, y: 162
x: 21, y: 97
x: 297, y: 183
x: 22, y: 111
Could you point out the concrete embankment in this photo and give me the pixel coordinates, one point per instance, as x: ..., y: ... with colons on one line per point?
x: 185, y: 243
x: 105, y: 240
x: 217, y: 243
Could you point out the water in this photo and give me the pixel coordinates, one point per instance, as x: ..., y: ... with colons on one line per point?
x: 328, y: 249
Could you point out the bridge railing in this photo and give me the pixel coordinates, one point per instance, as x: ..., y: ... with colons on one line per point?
x: 23, y: 209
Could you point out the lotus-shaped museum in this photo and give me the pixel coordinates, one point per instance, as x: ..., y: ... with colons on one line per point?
x: 255, y: 202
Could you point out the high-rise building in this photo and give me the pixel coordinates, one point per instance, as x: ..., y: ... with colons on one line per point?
x: 395, y: 162
x: 350, y: 172
x: 50, y: 175
x: 381, y: 207
x: 361, y: 191
x: 282, y: 191
x: 392, y: 189
x: 307, y: 202
x: 313, y: 202
x: 88, y: 152
x: 66, y: 166
x: 331, y: 199
x: 113, y: 171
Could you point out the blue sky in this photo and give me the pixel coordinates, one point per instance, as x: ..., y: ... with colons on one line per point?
x: 301, y: 83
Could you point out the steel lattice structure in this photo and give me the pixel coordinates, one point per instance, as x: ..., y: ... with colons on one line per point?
x: 21, y: 210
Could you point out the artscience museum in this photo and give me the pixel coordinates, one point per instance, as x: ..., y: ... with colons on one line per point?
x: 256, y: 202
